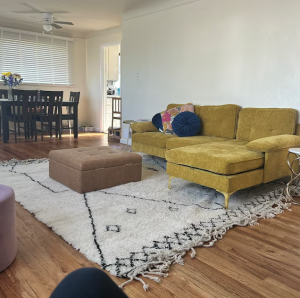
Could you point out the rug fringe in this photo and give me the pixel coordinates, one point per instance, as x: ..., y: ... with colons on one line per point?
x: 161, y: 261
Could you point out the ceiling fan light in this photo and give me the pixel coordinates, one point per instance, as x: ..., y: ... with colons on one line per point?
x: 47, y: 27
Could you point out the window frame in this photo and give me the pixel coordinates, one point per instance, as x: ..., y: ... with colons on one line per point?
x: 36, y: 35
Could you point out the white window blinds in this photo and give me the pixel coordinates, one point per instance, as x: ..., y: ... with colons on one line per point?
x: 38, y: 59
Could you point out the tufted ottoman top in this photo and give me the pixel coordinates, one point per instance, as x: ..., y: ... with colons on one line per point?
x: 6, y: 192
x: 91, y: 158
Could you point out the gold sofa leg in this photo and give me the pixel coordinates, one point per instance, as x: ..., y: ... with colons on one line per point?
x: 170, y: 177
x: 227, y: 197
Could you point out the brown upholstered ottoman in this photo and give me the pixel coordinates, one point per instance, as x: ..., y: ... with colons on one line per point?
x: 94, y: 168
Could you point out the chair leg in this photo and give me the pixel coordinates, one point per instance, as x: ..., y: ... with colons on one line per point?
x: 42, y: 131
x: 59, y: 129
x: 50, y: 128
x: 35, y: 131
x: 15, y: 131
x: 32, y: 129
x: 56, y: 129
x: 25, y: 130
x: 19, y: 133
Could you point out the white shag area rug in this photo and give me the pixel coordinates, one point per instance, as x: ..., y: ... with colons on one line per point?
x: 138, y: 230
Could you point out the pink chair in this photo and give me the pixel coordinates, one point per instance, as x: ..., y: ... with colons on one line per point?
x: 8, y: 238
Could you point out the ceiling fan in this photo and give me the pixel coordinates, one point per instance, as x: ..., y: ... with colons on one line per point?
x: 46, y: 17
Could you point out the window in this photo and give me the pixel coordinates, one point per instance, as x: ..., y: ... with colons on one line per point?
x: 40, y: 59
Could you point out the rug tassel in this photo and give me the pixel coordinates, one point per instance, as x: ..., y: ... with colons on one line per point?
x: 145, y: 286
x: 126, y: 282
x: 193, y: 254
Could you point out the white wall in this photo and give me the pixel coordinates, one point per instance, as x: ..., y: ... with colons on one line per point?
x: 212, y: 52
x: 94, y: 103
x: 79, y: 81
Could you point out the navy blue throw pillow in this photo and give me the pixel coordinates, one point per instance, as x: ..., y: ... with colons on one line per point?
x: 157, y: 122
x: 186, y: 124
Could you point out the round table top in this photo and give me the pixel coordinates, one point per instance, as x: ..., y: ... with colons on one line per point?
x: 295, y: 150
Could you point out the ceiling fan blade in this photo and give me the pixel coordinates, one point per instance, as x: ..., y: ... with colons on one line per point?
x: 33, y: 9
x: 37, y: 18
x: 53, y: 12
x: 56, y: 26
x: 65, y: 23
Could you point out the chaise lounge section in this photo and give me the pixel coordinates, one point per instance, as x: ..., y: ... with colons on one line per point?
x: 229, y: 160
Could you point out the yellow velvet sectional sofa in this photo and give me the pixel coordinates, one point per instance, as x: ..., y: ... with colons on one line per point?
x: 235, y: 149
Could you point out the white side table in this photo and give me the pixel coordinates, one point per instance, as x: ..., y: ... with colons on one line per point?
x: 129, y: 122
x: 294, y: 175
x: 130, y: 130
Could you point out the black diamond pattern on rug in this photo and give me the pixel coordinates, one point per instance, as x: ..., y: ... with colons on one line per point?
x: 173, y: 208
x: 131, y: 211
x: 113, y: 228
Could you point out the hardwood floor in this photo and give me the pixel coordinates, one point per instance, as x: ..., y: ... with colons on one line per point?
x: 258, y: 261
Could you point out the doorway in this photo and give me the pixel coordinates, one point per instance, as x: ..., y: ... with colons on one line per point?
x: 111, y: 83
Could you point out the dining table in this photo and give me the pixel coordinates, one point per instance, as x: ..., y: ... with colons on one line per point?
x: 6, y: 105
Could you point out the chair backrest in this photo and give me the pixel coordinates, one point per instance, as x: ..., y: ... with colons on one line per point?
x: 256, y: 123
x: 50, y: 104
x: 3, y: 93
x: 217, y: 121
x: 24, y: 105
x: 74, y: 96
x: 116, y: 111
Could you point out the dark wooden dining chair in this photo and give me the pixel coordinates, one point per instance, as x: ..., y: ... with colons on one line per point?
x: 70, y: 115
x: 23, y: 110
x: 49, y: 107
x: 3, y: 94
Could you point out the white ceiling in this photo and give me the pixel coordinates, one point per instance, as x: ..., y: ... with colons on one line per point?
x: 88, y: 16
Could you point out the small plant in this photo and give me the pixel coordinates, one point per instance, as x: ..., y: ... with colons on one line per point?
x: 11, y: 80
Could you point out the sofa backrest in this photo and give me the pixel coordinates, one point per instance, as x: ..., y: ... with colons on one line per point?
x: 256, y: 123
x: 218, y: 121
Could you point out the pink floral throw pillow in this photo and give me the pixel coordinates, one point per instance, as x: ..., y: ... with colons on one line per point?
x: 168, y: 116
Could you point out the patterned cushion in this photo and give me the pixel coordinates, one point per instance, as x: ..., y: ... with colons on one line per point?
x: 169, y: 115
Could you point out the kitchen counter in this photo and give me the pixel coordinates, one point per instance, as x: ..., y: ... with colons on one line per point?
x: 110, y: 96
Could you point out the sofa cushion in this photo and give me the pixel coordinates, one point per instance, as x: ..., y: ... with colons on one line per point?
x: 255, y: 123
x: 218, y: 121
x: 188, y: 141
x: 155, y: 139
x: 143, y: 126
x: 157, y: 121
x: 169, y: 116
x: 186, y: 124
x: 222, y: 158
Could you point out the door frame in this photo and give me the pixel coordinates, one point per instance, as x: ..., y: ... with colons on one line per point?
x: 103, y: 84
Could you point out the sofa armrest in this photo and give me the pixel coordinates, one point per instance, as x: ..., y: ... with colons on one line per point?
x: 273, y: 143
x: 143, y: 126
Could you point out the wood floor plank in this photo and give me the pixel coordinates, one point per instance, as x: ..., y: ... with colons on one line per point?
x: 34, y: 273
x: 258, y: 261
x: 8, y: 289
x: 18, y: 282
